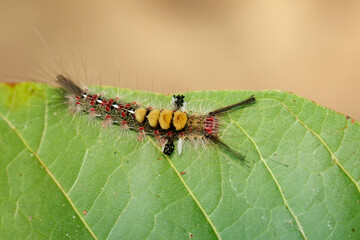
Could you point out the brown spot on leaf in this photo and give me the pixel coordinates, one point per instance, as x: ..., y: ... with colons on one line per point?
x: 182, y: 173
x: 12, y: 85
x: 85, y: 212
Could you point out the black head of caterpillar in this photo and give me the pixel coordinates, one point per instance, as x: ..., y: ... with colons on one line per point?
x: 165, y: 125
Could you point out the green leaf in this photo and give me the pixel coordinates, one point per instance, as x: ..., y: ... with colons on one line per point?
x: 65, y: 177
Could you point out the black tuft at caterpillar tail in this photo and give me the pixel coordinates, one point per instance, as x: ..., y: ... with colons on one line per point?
x: 165, y: 125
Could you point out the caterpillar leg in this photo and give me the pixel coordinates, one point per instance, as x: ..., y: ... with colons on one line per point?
x: 168, y: 147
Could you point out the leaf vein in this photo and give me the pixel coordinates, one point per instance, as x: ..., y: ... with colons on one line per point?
x: 80, y: 170
x: 333, y: 156
x: 45, y: 125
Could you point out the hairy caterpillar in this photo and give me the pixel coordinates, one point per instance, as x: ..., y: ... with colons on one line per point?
x: 166, y: 125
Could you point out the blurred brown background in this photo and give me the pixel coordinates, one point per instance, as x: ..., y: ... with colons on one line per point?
x: 311, y: 48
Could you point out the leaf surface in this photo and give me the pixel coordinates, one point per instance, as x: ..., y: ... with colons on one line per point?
x: 63, y: 176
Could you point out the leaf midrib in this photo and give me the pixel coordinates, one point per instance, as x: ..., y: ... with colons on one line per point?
x: 287, y: 205
x: 217, y: 233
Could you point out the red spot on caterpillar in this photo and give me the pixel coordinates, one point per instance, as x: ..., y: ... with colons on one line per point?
x: 210, y: 125
x: 92, y: 103
x: 108, y: 116
x: 182, y: 134
x: 123, y: 114
x: 134, y: 103
x: 107, y: 109
x: 77, y: 97
x: 125, y: 125
x: 169, y: 133
x: 157, y: 132
x: 208, y: 130
x: 92, y: 110
x: 210, y: 119
x: 149, y: 108
x: 141, y: 128
x: 182, y: 173
x: 77, y: 102
x: 127, y: 105
x: 94, y: 97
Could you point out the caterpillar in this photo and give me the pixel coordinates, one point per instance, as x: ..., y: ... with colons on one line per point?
x: 166, y: 125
